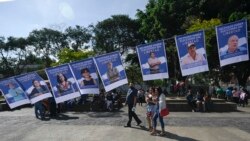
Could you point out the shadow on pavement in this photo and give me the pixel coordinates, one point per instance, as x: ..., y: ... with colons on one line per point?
x: 177, y: 137
x: 166, y: 135
x: 64, y: 117
x: 104, y: 114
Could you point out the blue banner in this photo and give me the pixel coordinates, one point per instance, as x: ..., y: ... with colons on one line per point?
x: 232, y: 42
x: 34, y: 86
x: 84, y: 72
x: 153, y: 60
x: 13, y: 93
x: 62, y: 82
x: 110, y: 69
x: 192, y: 53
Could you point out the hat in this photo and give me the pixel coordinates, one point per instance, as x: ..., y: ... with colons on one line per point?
x: 190, y: 44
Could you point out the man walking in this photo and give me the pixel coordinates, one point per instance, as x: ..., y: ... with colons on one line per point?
x: 131, y: 102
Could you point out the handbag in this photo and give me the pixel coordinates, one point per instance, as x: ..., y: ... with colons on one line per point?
x: 164, y: 112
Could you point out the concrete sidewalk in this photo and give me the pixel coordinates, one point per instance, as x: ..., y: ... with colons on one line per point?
x: 21, y: 125
x: 117, y: 133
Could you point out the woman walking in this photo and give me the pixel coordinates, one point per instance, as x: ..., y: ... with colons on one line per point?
x: 160, y: 101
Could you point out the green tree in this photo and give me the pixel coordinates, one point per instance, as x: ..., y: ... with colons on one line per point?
x: 6, y: 62
x: 16, y: 57
x: 18, y: 47
x: 67, y: 55
x: 116, y: 33
x: 164, y: 18
x: 47, y: 43
x: 223, y: 9
x: 77, y: 37
x: 134, y: 74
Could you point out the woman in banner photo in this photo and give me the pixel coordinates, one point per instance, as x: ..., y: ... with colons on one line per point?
x: 38, y: 89
x: 112, y: 73
x: 64, y: 86
x: 15, y: 92
x: 192, y: 56
x: 154, y: 63
x: 88, y: 80
x: 233, y: 45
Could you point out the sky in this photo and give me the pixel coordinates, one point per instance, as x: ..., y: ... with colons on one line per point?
x: 20, y: 17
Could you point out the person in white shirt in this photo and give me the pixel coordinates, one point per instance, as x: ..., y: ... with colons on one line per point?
x: 192, y: 55
x: 154, y: 63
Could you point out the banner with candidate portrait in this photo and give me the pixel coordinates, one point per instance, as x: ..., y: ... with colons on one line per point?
x: 232, y: 42
x: 110, y: 69
x: 34, y: 86
x: 85, y: 73
x: 192, y: 53
x: 153, y: 60
x: 62, y: 83
x: 13, y: 93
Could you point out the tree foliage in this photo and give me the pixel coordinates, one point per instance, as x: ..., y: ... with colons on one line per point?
x: 67, y: 55
x: 164, y: 18
x: 116, y: 33
x: 47, y: 43
x: 77, y: 37
x: 16, y: 56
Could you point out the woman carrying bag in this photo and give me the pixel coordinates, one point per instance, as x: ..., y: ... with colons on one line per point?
x: 160, y: 112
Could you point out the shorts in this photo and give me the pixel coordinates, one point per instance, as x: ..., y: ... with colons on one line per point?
x: 150, y: 110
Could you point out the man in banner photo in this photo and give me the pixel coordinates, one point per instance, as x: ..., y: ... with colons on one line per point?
x: 154, y: 63
x: 232, y: 40
x: 112, y: 73
x: 192, y: 56
x: 233, y: 46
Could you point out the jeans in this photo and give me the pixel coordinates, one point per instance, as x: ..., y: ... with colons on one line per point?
x: 156, y: 115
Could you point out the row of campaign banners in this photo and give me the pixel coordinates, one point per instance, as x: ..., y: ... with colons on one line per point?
x: 69, y: 81
x: 232, y: 41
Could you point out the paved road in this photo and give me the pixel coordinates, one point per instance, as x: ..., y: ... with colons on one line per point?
x: 21, y: 125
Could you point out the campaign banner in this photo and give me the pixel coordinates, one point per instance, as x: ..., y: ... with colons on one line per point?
x: 13, y: 93
x: 110, y: 69
x: 34, y: 86
x: 153, y: 60
x: 62, y: 83
x: 192, y: 53
x: 84, y: 72
x: 232, y: 42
